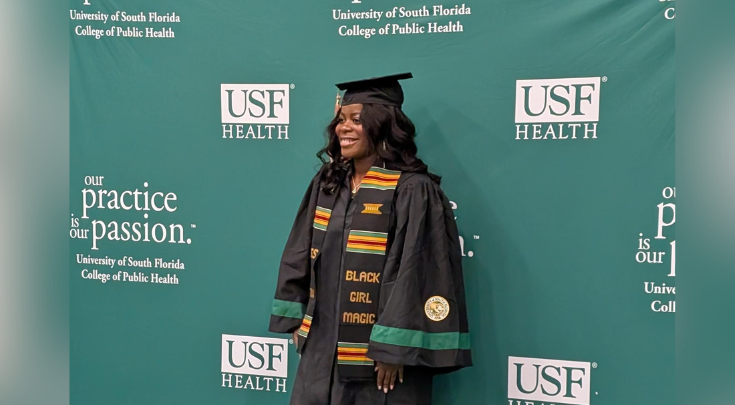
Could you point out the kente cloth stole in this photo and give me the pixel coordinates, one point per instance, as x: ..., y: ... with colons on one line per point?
x: 365, y: 255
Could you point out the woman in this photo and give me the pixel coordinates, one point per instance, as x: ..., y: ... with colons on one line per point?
x: 370, y: 282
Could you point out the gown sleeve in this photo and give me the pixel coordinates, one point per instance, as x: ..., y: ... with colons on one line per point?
x: 294, y: 274
x: 423, y: 276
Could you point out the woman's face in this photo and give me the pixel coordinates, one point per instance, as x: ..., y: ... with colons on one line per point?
x: 352, y: 139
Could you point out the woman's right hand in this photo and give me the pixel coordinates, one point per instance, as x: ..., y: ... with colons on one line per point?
x: 296, y: 337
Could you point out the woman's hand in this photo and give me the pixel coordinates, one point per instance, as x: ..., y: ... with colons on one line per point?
x: 387, y: 374
x: 296, y: 337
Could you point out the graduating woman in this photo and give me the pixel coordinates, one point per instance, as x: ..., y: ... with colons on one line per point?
x: 370, y: 282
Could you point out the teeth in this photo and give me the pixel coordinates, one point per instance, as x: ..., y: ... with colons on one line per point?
x: 345, y: 141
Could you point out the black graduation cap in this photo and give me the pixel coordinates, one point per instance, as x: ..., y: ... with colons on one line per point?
x: 379, y: 90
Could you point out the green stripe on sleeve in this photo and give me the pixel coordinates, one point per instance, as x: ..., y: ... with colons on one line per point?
x: 420, y: 339
x: 288, y: 309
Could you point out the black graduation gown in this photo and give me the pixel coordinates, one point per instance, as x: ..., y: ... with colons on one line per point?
x: 423, y: 260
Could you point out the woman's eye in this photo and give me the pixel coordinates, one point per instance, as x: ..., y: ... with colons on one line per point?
x: 356, y: 120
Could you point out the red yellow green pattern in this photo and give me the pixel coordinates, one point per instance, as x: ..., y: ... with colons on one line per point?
x: 321, y: 218
x: 367, y: 242
x: 380, y: 179
x: 353, y: 354
x: 305, y: 326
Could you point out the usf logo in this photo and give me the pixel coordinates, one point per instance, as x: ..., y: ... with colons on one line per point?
x: 254, y: 355
x: 255, y: 111
x: 558, y: 109
x: 548, y: 381
x: 558, y: 100
x: 255, y: 103
x: 255, y: 363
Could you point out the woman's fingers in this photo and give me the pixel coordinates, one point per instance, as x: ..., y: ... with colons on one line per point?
x: 381, y: 375
x: 393, y: 376
x: 387, y: 374
x: 387, y: 379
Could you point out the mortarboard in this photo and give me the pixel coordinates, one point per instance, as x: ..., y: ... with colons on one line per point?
x: 379, y: 90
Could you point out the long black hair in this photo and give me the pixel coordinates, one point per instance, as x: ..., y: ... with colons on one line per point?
x: 390, y: 133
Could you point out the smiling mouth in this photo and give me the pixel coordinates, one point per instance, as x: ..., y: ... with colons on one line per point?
x: 347, y: 141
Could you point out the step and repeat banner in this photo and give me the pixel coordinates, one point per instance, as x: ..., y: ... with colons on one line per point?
x: 194, y: 129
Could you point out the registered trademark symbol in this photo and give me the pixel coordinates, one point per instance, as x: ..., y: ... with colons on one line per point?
x: 290, y: 341
x: 604, y: 79
x: 293, y: 86
x: 594, y: 365
x: 470, y: 253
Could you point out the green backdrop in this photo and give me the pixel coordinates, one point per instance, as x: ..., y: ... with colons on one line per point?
x: 568, y: 238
